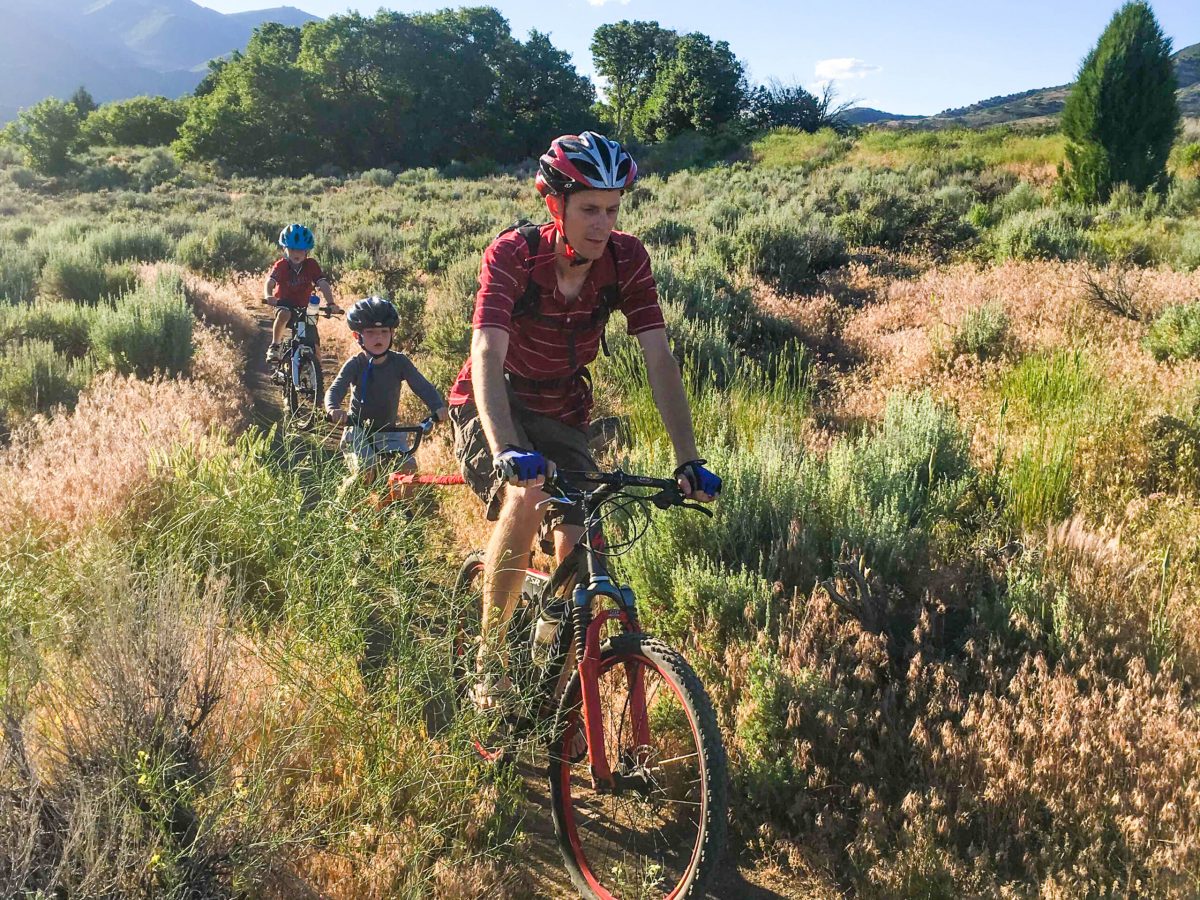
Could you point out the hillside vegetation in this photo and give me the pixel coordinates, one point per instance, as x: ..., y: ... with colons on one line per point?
x: 948, y: 608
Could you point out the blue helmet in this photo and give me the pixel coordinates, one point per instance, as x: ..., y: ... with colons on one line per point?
x: 296, y: 237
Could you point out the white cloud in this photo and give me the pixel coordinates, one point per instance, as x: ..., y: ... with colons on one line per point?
x: 843, y: 68
x: 603, y: 2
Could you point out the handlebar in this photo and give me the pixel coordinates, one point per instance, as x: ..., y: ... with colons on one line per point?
x: 418, y: 431
x: 326, y: 312
x: 668, y: 494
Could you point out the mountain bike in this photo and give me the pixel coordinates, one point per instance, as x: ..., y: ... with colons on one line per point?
x: 636, y: 765
x: 299, y: 370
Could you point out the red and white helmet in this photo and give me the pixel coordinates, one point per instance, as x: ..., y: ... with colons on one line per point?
x: 582, y: 162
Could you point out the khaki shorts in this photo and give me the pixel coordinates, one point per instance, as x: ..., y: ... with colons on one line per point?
x: 565, y: 446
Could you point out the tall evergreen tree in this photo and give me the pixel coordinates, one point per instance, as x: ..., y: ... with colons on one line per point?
x: 83, y: 102
x: 1121, y: 115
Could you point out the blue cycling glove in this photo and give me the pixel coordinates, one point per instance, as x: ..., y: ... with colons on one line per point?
x: 519, y: 464
x: 700, y: 479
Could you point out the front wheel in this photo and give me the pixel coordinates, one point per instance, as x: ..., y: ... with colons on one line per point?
x: 305, y: 389
x: 661, y: 833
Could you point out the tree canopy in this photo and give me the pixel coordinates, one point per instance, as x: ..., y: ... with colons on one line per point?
x: 392, y: 89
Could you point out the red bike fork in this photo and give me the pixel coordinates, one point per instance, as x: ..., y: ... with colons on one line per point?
x: 593, y: 723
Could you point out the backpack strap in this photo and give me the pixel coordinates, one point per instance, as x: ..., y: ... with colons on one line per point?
x: 532, y: 233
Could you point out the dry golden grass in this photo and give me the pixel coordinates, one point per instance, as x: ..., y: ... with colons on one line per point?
x: 68, y: 471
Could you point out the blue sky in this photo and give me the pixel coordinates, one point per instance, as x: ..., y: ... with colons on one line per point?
x: 915, y: 57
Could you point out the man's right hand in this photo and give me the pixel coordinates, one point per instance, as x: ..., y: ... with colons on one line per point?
x: 521, y: 467
x: 338, y: 416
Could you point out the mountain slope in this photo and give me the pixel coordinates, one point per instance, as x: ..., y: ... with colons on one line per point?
x: 117, y: 48
x: 1039, y: 103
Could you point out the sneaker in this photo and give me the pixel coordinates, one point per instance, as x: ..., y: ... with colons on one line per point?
x: 275, y: 353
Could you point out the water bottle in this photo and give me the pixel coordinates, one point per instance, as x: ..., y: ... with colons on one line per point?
x: 314, y: 308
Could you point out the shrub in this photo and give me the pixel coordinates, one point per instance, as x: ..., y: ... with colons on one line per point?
x: 1188, y: 256
x: 84, y: 277
x: 63, y: 323
x: 102, y: 176
x: 223, y: 250
x: 139, y: 243
x: 145, y: 121
x: 784, y: 254
x: 668, y: 232
x: 1041, y: 234
x: 1024, y: 197
x: 23, y: 178
x: 1175, y: 333
x: 794, y: 512
x: 379, y: 177
x: 19, y: 271
x: 982, y: 333
x: 1174, y: 454
x: 146, y: 331
x: 35, y: 378
x: 156, y: 167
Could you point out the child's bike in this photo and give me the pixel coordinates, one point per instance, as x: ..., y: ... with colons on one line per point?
x: 393, y: 446
x: 298, y: 371
x: 636, y: 764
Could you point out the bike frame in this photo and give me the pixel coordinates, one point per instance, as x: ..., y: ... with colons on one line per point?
x: 300, y: 341
x: 585, y: 563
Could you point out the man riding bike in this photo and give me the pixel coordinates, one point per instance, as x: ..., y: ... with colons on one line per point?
x: 521, y: 403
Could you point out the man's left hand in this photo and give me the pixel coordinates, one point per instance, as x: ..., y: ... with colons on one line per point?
x: 697, y: 482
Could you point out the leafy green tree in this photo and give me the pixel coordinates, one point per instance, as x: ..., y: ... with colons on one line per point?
x: 140, y: 121
x: 259, y: 114
x: 543, y: 96
x: 629, y: 55
x: 1121, y: 115
x: 701, y: 88
x: 47, y: 133
x: 83, y: 102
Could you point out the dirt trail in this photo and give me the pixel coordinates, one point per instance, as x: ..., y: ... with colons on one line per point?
x: 235, y: 305
x: 541, y: 873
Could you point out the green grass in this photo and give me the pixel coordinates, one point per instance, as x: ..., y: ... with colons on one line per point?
x: 791, y: 148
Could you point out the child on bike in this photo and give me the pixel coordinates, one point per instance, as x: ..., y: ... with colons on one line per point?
x: 374, y: 379
x: 291, y: 281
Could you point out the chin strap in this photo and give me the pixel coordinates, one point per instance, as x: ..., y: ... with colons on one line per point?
x: 573, y: 258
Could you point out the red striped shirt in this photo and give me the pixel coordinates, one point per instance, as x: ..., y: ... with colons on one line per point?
x: 539, y: 345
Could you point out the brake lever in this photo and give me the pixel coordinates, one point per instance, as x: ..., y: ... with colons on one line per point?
x: 697, y: 507
x: 552, y: 483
